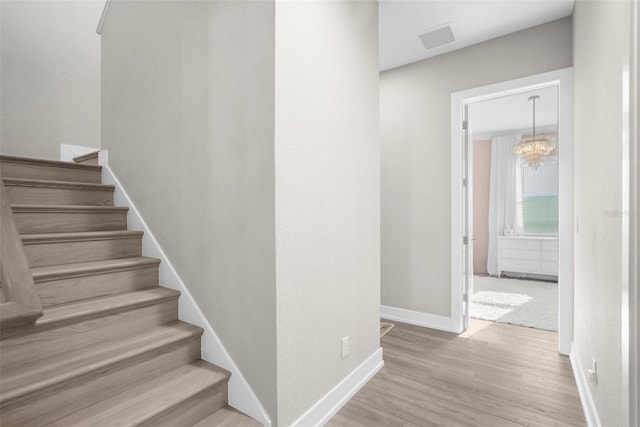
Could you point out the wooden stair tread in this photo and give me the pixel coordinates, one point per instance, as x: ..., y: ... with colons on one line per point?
x: 51, y: 190
x: 32, y: 238
x: 49, y: 372
x: 24, y: 167
x: 28, y: 182
x: 69, y: 313
x: 50, y: 218
x: 51, y: 272
x: 66, y: 208
x: 141, y: 404
x: 109, y: 348
x: 58, y: 248
x: 47, y: 162
x: 228, y: 417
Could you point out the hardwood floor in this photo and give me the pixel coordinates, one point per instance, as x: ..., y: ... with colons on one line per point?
x: 492, y: 375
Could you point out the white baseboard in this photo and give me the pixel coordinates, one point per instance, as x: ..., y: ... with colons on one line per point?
x: 241, y: 396
x: 588, y: 405
x: 325, y: 408
x: 68, y: 152
x: 417, y: 318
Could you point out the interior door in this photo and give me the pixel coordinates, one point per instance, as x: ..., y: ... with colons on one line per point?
x: 467, y: 226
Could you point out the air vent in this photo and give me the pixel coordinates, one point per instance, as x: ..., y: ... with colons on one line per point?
x: 437, y: 36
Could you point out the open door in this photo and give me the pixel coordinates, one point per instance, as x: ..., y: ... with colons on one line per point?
x: 467, y: 213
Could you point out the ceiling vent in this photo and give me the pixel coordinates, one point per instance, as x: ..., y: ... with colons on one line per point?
x: 437, y: 36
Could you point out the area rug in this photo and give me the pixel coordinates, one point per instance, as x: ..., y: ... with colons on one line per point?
x: 385, y: 327
x: 529, y: 303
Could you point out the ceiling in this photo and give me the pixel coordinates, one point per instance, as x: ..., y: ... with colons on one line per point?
x: 514, y: 113
x: 472, y: 21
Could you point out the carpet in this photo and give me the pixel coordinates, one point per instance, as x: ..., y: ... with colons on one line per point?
x: 385, y: 327
x: 518, y: 302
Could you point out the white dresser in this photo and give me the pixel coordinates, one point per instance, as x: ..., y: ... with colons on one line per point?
x: 528, y: 254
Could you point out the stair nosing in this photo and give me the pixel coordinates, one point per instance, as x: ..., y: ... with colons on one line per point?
x: 79, y: 236
x: 48, y: 183
x: 51, y: 319
x: 91, y: 268
x: 47, y: 162
x: 98, y: 366
x: 24, y: 208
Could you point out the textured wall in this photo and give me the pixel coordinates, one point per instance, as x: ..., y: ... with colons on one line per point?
x: 188, y: 101
x: 601, y: 34
x: 50, y: 76
x: 256, y: 164
x: 327, y: 196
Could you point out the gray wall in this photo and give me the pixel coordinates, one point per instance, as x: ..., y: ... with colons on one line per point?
x: 188, y: 107
x: 250, y: 145
x: 49, y: 76
x: 601, y: 34
x: 327, y: 155
x: 415, y: 130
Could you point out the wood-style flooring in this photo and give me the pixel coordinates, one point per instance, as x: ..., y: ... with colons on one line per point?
x: 492, y: 375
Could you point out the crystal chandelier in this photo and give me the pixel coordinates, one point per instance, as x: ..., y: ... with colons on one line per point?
x: 534, y: 149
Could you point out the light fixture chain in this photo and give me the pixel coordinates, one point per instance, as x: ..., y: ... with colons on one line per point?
x: 534, y: 117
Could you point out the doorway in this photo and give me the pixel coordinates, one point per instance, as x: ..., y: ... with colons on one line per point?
x: 462, y: 229
x: 514, y: 147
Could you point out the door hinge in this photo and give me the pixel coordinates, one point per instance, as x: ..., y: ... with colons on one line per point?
x: 465, y: 240
x: 464, y: 125
x: 465, y: 182
x: 465, y: 297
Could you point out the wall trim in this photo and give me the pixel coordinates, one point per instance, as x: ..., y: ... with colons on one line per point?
x: 325, y: 408
x: 418, y: 318
x: 586, y: 399
x: 241, y: 396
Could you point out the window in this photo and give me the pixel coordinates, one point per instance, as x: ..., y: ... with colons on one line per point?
x: 537, y: 197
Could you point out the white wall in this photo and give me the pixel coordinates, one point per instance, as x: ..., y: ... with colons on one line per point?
x: 188, y: 104
x: 415, y: 131
x: 601, y: 35
x: 327, y: 195
x: 50, y: 76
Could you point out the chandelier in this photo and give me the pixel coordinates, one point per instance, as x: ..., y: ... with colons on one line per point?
x: 534, y: 149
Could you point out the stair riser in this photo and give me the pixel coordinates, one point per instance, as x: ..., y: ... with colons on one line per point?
x: 193, y: 410
x: 42, y: 254
x: 77, y: 393
x: 80, y: 288
x: 54, y: 173
x: 47, y: 222
x: 58, y: 196
x: 25, y: 349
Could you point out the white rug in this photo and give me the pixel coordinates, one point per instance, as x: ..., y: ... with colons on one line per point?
x: 519, y: 302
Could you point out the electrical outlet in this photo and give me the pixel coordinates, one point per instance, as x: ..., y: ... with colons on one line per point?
x: 345, y: 346
x: 592, y: 373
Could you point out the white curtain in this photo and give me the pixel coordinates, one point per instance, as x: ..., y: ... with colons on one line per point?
x: 502, y: 195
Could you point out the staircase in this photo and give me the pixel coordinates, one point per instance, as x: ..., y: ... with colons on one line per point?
x: 108, y: 349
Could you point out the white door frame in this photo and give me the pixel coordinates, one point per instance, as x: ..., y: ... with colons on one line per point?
x: 563, y: 79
